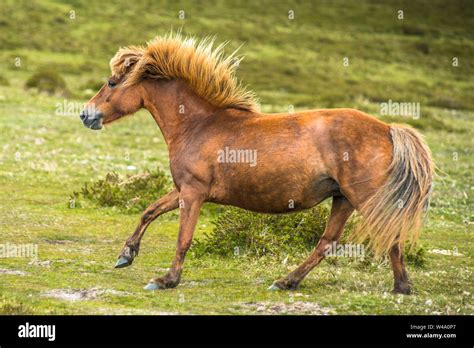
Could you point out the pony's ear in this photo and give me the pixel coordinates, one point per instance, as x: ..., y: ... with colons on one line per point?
x: 125, y: 59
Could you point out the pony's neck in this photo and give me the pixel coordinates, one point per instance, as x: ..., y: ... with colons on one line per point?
x: 175, y: 107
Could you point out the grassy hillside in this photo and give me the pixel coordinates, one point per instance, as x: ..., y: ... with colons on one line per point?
x: 289, y: 62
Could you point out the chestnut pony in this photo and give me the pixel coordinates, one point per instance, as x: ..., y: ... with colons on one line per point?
x: 223, y: 150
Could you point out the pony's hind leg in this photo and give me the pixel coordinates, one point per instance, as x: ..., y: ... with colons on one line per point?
x: 341, y: 211
x: 165, y: 204
x: 401, y: 282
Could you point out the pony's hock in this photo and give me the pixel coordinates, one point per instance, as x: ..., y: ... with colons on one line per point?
x: 383, y: 171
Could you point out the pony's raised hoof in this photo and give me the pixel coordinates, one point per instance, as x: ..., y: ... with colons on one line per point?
x: 123, y: 262
x: 129, y: 252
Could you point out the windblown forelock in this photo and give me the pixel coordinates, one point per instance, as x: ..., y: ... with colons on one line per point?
x: 124, y: 59
x: 204, y: 67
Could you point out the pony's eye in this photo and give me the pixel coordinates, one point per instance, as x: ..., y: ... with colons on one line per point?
x: 112, y: 84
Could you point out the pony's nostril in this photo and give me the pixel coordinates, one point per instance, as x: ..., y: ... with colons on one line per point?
x: 83, y: 115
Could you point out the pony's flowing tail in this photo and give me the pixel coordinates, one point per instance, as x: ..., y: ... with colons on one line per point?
x: 394, y: 214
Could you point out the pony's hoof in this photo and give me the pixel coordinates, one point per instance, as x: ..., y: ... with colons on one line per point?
x: 123, y: 262
x: 402, y: 290
x: 153, y: 286
x: 284, y: 284
x: 273, y: 287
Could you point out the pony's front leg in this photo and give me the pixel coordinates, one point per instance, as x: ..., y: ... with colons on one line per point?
x: 190, y: 203
x: 165, y: 204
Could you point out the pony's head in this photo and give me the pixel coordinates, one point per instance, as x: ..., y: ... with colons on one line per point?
x: 205, y: 69
x: 116, y: 98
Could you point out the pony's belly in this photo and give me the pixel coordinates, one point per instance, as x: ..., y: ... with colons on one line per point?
x: 283, y: 197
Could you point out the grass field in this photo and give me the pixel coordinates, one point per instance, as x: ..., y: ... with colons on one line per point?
x: 298, y: 62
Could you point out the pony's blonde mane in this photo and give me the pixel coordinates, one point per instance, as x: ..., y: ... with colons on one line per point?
x: 202, y: 66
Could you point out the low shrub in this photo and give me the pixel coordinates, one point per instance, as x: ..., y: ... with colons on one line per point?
x: 241, y: 232
x: 237, y: 232
x: 132, y: 193
x: 447, y: 102
x: 4, y: 81
x: 47, y: 80
x: 423, y: 47
x: 415, y: 256
x: 11, y: 306
x: 412, y: 30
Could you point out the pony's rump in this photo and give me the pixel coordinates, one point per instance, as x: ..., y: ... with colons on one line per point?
x: 395, y: 212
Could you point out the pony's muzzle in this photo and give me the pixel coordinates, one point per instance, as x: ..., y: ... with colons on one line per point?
x: 92, y: 120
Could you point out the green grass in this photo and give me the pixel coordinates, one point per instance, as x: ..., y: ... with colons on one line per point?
x: 44, y: 157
